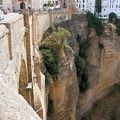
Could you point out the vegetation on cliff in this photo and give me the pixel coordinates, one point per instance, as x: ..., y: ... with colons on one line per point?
x: 98, y: 6
x: 52, y: 47
x: 50, y: 61
x: 80, y: 61
x: 114, y: 20
x: 96, y: 23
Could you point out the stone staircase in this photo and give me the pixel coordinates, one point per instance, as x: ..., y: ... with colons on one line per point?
x: 110, y: 50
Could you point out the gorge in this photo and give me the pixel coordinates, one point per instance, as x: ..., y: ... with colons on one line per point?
x: 56, y: 71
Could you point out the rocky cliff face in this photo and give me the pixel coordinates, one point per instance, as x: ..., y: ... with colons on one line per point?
x: 64, y: 91
x: 103, y: 65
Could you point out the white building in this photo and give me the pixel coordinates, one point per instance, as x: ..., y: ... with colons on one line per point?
x: 6, y: 4
x: 85, y: 5
x: 108, y: 6
x: 38, y: 4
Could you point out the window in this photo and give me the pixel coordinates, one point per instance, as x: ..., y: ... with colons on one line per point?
x: 79, y: 6
x: 0, y: 2
x: 83, y: 1
x: 83, y: 6
x: 56, y: 2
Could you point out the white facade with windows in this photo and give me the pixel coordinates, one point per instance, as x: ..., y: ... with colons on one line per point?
x: 85, y: 5
x: 108, y: 6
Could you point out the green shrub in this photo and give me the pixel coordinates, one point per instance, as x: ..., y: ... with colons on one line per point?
x: 84, y: 83
x: 80, y: 64
x: 98, y: 6
x: 101, y: 46
x: 48, y: 78
x: 118, y: 27
x: 83, y: 49
x: 56, y: 41
x: 50, y: 106
x: 50, y: 4
x: 50, y: 61
x: 83, y: 45
x: 79, y: 39
x: 52, y: 46
x: 96, y: 23
x: 112, y: 18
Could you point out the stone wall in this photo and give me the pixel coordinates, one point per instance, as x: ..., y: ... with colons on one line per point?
x: 41, y: 23
x: 12, y: 54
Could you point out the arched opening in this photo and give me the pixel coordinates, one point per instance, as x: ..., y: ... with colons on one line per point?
x: 23, y: 81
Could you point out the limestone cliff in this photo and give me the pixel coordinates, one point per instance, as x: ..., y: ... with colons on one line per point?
x: 63, y: 89
x: 103, y: 64
x: 103, y: 67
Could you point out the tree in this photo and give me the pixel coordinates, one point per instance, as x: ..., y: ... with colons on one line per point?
x: 112, y: 18
x: 96, y: 23
x: 118, y: 27
x: 98, y: 6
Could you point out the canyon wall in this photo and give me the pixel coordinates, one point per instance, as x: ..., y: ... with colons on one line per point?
x: 64, y: 91
x: 102, y: 62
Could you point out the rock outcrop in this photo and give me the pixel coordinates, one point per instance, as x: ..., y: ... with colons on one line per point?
x: 64, y: 91
x: 103, y: 67
x: 103, y: 60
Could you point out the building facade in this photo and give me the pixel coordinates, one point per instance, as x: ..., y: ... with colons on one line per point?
x: 85, y: 5
x: 108, y: 6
